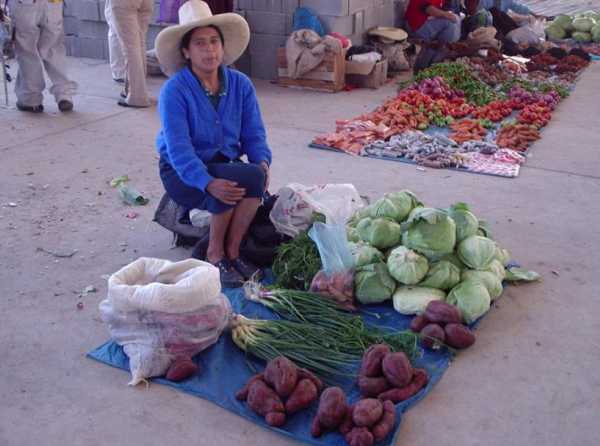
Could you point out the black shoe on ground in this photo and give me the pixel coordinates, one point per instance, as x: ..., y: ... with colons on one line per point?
x: 64, y: 105
x: 230, y: 277
x: 246, y: 269
x: 119, y: 80
x: 30, y: 108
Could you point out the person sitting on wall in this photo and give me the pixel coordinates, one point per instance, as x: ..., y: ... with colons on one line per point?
x: 210, y: 118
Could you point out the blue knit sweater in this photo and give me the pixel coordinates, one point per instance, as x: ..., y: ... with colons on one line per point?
x: 193, y: 132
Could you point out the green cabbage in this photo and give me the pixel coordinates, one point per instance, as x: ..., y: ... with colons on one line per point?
x: 555, y: 32
x: 453, y: 258
x: 431, y: 232
x: 386, y: 208
x: 563, y: 21
x: 379, y: 232
x: 414, y: 299
x: 466, y: 223
x: 489, y: 279
x: 497, y: 268
x: 352, y: 234
x: 443, y: 275
x: 582, y: 37
x: 472, y: 299
x: 364, y: 254
x: 373, y: 284
x: 583, y: 24
x: 502, y: 255
x: 596, y: 33
x: 477, y: 252
x: 407, y: 266
x: 516, y: 274
x: 405, y: 202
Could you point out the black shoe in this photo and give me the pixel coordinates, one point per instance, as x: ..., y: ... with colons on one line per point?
x: 119, y: 80
x: 230, y: 277
x: 123, y: 103
x: 246, y: 269
x: 31, y: 108
x: 64, y: 105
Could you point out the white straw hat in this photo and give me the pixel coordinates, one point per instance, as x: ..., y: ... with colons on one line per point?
x: 195, y: 14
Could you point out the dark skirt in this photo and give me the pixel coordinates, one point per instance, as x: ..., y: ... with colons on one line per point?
x: 249, y: 176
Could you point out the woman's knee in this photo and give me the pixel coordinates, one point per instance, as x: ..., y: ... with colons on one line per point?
x: 254, y: 180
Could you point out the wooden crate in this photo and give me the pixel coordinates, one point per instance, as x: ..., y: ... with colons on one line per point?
x: 375, y: 79
x: 329, y: 75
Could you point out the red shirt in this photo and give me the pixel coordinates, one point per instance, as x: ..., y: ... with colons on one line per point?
x: 415, y: 13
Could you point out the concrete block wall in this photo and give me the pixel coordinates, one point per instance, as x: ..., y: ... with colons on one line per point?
x: 86, y: 31
x: 271, y: 23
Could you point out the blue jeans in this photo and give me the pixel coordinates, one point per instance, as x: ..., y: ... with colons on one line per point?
x: 439, y: 29
x: 249, y: 176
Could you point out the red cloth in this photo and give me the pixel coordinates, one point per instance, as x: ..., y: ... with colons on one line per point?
x: 415, y: 13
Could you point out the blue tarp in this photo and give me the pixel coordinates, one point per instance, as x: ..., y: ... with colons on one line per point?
x: 225, y: 369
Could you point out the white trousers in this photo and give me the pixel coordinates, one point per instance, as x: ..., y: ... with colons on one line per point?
x: 115, y: 52
x: 132, y: 19
x: 39, y: 44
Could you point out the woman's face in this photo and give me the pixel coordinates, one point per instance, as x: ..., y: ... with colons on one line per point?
x: 205, y: 50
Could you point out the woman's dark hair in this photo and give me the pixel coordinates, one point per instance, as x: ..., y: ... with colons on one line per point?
x: 185, y: 40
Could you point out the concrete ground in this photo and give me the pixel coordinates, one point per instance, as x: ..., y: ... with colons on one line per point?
x: 531, y: 379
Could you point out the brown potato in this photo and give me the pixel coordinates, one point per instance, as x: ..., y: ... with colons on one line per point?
x: 302, y: 397
x: 372, y: 358
x: 397, y: 369
x: 367, y: 412
x: 282, y: 375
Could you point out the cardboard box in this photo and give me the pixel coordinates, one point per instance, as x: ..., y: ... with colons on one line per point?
x: 327, y: 76
x: 366, y: 74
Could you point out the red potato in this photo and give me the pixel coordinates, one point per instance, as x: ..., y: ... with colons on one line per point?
x: 459, y: 336
x: 418, y: 323
x: 386, y: 423
x: 397, y: 369
x: 282, y: 375
x: 331, y: 412
x: 275, y: 419
x: 263, y: 400
x: 433, y: 336
x: 307, y: 374
x: 398, y: 395
x: 302, y: 397
x: 242, y: 394
x: 371, y: 387
x: 372, y: 358
x: 367, y: 412
x: 348, y: 423
x: 181, y: 369
x: 441, y: 312
x: 359, y: 436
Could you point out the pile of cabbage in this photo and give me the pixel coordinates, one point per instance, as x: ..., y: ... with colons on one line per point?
x: 413, y: 254
x: 584, y: 27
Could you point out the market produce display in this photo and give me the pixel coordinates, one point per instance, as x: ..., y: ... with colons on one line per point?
x: 583, y: 27
x: 437, y: 121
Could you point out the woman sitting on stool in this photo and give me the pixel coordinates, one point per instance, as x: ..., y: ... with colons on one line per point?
x: 210, y: 118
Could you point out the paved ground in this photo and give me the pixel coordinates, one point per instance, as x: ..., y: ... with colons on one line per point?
x: 531, y: 379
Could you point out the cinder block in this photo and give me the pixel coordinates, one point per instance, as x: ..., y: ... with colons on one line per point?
x: 242, y: 5
x: 153, y: 31
x: 372, y: 18
x: 342, y: 25
x: 387, y: 14
x: 359, y: 5
x: 265, y: 43
x: 101, y: 9
x: 93, y: 30
x: 69, y: 8
x: 264, y: 65
x: 92, y: 48
x: 268, y: 5
x: 289, y: 24
x: 70, y: 45
x: 243, y: 64
x: 262, y: 22
x: 87, y: 9
x: 71, y: 25
x: 289, y: 6
x: 329, y: 7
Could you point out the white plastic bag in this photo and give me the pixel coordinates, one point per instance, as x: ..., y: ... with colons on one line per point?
x: 160, y: 311
x: 531, y: 34
x: 293, y: 210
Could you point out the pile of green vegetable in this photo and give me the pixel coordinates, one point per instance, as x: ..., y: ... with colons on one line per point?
x: 584, y: 27
x: 415, y: 254
x: 460, y: 77
x: 296, y: 262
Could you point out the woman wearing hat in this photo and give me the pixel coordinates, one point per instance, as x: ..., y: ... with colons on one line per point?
x: 210, y: 118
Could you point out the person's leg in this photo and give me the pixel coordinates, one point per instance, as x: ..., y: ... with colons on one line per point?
x: 243, y: 215
x: 145, y: 17
x: 115, y: 52
x: 54, y: 54
x: 219, y: 225
x: 30, y: 78
x: 439, y: 29
x: 126, y: 19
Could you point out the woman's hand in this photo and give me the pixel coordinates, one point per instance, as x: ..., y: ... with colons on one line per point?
x: 226, y: 191
x: 265, y: 167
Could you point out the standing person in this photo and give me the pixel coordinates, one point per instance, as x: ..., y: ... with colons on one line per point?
x: 210, y: 118
x: 115, y: 52
x: 131, y: 20
x: 429, y: 21
x: 39, y: 45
